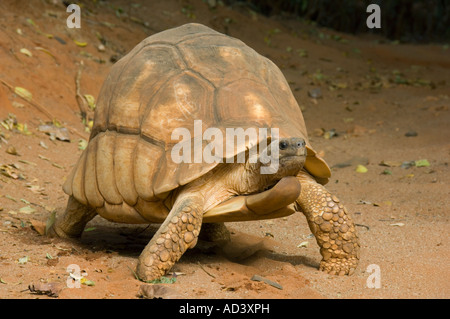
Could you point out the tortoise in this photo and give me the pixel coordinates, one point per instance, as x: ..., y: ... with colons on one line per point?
x: 169, y: 83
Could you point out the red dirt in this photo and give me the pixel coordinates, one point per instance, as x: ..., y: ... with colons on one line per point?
x: 373, y: 92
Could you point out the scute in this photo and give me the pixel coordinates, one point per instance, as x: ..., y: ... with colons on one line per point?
x: 122, y: 213
x: 147, y: 159
x: 183, y: 99
x: 124, y: 155
x: 93, y: 196
x: 141, y: 73
x: 220, y: 59
x: 257, y: 107
x: 166, y: 179
x: 106, y: 179
x: 74, y: 185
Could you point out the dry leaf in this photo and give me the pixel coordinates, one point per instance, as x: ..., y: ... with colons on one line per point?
x: 57, y: 165
x: 50, y: 289
x: 397, y: 224
x: 36, y: 189
x: 390, y: 163
x: 11, y: 150
x: 422, y: 163
x: 32, y: 22
x: 42, y: 144
x: 157, y: 292
x: 8, y: 171
x: 302, y: 53
x: 23, y: 128
x: 87, y: 282
x: 303, y: 244
x: 26, y: 52
x: 315, y: 93
x: 90, y: 100
x: 60, y: 133
x: 50, y: 221
x: 82, y: 144
x: 341, y: 85
x: 267, y: 281
x: 318, y: 132
x: 27, y: 162
x: 45, y: 51
x: 27, y: 210
x: 52, y: 261
x: 330, y: 134
x: 365, y: 202
x: 361, y: 169
x: 38, y: 226
x: 80, y: 44
x: 11, y: 198
x: 23, y: 93
x: 43, y: 157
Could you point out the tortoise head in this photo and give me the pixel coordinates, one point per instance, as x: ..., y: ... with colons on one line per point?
x: 291, y: 147
x: 283, y: 157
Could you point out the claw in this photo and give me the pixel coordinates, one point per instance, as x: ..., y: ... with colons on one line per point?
x: 341, y: 266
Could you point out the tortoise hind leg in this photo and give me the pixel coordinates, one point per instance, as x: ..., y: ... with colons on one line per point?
x: 331, y: 225
x: 179, y: 232
x: 71, y: 224
x: 215, y: 232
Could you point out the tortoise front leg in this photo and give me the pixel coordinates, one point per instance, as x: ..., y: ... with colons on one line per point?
x: 179, y: 232
x: 331, y: 225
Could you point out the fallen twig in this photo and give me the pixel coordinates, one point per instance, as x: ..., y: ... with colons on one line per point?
x: 74, y: 131
x: 208, y: 273
x: 267, y: 281
x: 80, y: 100
x: 361, y: 225
x: 33, y: 103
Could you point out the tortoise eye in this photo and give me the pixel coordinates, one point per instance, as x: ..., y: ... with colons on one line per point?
x: 283, y: 145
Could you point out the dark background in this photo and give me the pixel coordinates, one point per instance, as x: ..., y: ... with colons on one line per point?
x: 403, y: 20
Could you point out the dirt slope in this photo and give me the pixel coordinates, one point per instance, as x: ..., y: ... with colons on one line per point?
x: 379, y: 102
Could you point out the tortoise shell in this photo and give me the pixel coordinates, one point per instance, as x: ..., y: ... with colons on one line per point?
x: 166, y: 82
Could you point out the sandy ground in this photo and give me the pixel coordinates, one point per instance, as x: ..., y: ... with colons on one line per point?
x: 388, y: 103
